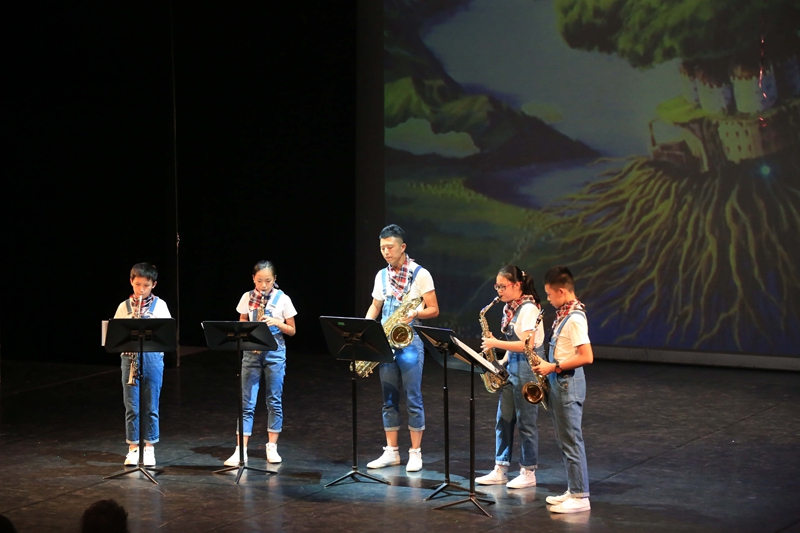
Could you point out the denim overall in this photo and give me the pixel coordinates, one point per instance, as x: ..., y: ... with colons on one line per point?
x: 567, y: 394
x: 513, y: 409
x: 404, y: 374
x: 150, y: 385
x: 273, y: 365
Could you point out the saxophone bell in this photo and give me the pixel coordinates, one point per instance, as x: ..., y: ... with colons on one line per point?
x: 535, y: 392
x: 398, y: 333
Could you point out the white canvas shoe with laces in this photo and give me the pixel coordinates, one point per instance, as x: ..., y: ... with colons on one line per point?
x: 526, y: 478
x: 233, y: 460
x: 390, y: 457
x: 132, y: 459
x: 414, y: 460
x: 149, y: 456
x: 272, y: 453
x: 555, y: 500
x: 498, y: 476
x: 572, y: 505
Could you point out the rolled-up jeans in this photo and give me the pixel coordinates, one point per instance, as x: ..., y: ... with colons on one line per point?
x: 273, y: 366
x: 567, y: 394
x: 514, y: 411
x: 403, y: 377
x: 150, y: 388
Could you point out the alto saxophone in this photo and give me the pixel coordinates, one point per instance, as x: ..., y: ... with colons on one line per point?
x: 535, y: 391
x: 398, y: 333
x: 136, y: 312
x: 492, y: 382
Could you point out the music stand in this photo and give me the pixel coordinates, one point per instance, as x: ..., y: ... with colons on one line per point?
x: 239, y: 336
x: 437, y: 343
x: 140, y: 335
x: 465, y: 353
x: 356, y: 339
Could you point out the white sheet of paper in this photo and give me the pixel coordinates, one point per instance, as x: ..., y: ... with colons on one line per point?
x: 479, y: 359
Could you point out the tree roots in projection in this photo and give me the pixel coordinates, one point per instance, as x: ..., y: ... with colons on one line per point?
x: 695, y: 256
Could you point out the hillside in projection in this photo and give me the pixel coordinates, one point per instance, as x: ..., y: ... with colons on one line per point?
x: 654, y: 147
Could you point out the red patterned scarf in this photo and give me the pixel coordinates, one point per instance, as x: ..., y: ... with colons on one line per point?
x: 145, y: 304
x: 259, y: 297
x: 398, y: 279
x: 511, y: 308
x: 566, y: 309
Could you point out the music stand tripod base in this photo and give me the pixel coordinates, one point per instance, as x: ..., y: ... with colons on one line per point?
x: 355, y: 339
x: 140, y: 335
x: 239, y: 336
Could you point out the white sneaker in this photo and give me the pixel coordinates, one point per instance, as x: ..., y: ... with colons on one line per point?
x: 233, y: 460
x: 526, y: 478
x: 572, y: 505
x: 414, y: 460
x: 132, y: 459
x: 498, y: 476
x: 272, y: 453
x: 390, y: 457
x: 555, y: 500
x: 149, y: 456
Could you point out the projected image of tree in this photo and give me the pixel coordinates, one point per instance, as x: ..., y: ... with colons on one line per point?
x: 653, y: 146
x: 701, y: 236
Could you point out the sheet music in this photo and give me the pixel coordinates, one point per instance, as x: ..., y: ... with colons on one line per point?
x: 478, y: 358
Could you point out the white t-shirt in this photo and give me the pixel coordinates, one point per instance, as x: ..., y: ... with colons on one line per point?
x: 282, y: 310
x: 574, y: 333
x: 422, y: 284
x: 526, y: 320
x: 159, y: 311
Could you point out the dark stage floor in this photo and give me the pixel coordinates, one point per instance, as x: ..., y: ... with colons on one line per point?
x: 670, y: 448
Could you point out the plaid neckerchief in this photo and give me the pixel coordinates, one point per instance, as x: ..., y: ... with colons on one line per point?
x: 566, y: 309
x: 259, y: 297
x: 145, y: 304
x: 511, y: 308
x: 399, y: 279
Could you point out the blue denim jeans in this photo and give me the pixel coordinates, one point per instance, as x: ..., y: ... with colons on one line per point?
x: 567, y: 394
x: 403, y: 376
x: 273, y: 366
x: 150, y: 388
x: 513, y: 410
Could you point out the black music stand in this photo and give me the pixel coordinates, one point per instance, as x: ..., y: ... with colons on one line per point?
x: 140, y: 335
x: 356, y: 339
x: 239, y: 336
x: 465, y: 353
x: 437, y: 343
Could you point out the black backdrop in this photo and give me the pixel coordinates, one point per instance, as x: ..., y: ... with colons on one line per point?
x: 266, y: 162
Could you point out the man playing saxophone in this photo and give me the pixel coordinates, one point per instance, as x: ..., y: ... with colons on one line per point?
x: 515, y: 288
x: 400, y: 281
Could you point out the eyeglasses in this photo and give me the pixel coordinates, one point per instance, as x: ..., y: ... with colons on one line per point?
x: 500, y: 287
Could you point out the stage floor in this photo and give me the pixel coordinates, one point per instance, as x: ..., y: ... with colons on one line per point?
x: 670, y: 448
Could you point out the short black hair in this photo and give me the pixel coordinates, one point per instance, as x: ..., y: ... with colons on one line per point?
x: 105, y: 516
x: 560, y: 276
x: 144, y: 270
x: 393, y: 230
x: 264, y: 265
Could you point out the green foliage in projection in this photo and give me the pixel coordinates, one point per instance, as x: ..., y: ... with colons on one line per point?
x: 416, y: 85
x: 649, y: 32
